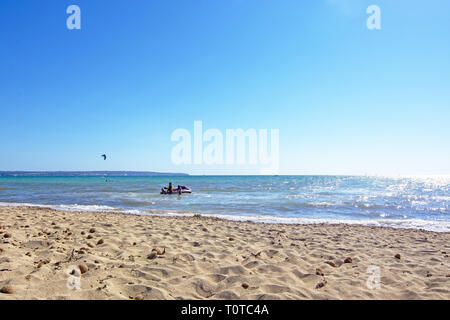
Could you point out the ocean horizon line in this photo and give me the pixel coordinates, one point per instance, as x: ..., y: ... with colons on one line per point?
x: 94, y: 173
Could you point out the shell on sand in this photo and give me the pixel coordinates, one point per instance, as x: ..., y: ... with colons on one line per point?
x: 159, y: 251
x: 83, y: 268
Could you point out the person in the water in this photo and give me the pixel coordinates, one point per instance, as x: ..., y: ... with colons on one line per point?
x: 170, y: 188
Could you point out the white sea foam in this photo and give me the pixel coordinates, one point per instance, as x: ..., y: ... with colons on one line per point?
x: 436, y: 226
x: 429, y: 225
x: 64, y: 207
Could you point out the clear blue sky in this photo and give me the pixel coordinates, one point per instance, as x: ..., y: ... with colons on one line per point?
x: 346, y: 100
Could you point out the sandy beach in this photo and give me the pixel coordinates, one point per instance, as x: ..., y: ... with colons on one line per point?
x: 48, y: 254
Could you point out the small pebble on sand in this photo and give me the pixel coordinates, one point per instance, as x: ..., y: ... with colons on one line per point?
x: 321, y: 284
x: 101, y: 241
x: 139, y: 297
x: 7, y: 235
x: 7, y: 289
x: 92, y: 230
x: 245, y: 285
x: 348, y: 260
x: 83, y: 268
x: 151, y: 255
x: 319, y: 272
x: 196, y: 244
x: 42, y: 262
x: 398, y: 256
x: 331, y: 263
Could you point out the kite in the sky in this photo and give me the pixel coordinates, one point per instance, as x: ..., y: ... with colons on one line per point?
x: 104, y: 156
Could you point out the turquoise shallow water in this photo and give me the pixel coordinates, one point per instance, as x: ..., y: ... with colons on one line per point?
x: 403, y: 202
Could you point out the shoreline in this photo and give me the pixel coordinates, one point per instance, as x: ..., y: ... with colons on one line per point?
x: 171, y: 257
x: 407, y: 224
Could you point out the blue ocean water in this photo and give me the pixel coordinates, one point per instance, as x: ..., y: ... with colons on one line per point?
x: 401, y: 202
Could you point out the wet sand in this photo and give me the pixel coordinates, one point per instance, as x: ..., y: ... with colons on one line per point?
x: 148, y: 257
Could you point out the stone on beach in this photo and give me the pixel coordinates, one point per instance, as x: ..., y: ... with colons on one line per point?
x: 398, y: 256
x: 331, y: 263
x: 83, y: 268
x: 348, y: 260
x: 321, y: 284
x: 151, y: 256
x: 8, y: 289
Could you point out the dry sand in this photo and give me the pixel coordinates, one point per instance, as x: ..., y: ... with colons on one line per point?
x: 204, y: 258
